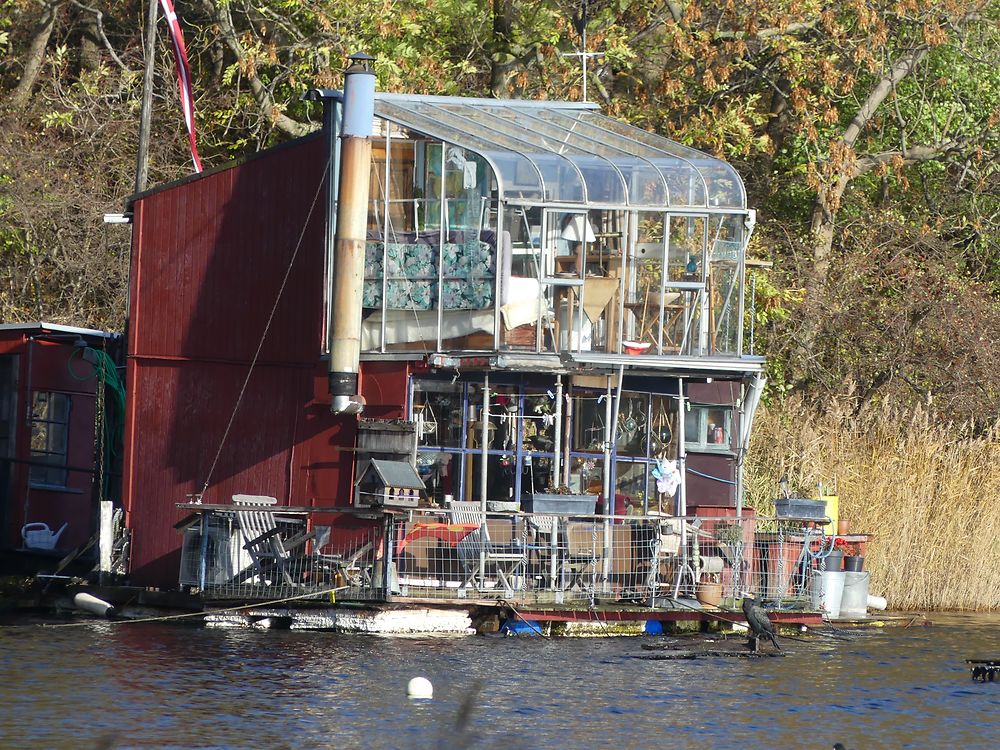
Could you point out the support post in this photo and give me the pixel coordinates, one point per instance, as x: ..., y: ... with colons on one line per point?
x: 484, y: 420
x: 106, y: 539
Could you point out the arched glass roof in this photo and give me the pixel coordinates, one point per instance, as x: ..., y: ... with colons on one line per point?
x: 564, y: 152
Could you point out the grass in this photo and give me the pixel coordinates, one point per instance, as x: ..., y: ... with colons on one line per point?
x: 928, y: 493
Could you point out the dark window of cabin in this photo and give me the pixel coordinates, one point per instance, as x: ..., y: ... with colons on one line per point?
x: 49, y: 438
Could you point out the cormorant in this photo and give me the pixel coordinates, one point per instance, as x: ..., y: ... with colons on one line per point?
x: 759, y: 622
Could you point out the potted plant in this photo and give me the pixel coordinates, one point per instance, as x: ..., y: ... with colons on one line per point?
x: 841, y: 549
x: 854, y: 562
x: 709, y: 590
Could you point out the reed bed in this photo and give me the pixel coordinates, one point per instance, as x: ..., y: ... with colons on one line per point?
x: 928, y: 493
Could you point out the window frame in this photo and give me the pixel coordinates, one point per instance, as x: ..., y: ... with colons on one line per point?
x: 55, y: 474
x: 702, y: 444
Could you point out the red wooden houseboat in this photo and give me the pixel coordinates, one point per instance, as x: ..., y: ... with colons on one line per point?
x: 550, y: 297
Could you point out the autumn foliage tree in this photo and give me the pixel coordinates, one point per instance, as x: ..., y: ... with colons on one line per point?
x: 866, y: 131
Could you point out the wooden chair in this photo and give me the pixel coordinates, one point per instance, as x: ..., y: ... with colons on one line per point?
x: 478, y: 554
x: 275, y: 552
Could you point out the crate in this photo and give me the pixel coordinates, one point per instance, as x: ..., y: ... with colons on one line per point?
x: 800, y: 507
x: 559, y: 505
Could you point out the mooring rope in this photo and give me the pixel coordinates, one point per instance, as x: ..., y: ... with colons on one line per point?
x: 203, y: 613
x: 533, y: 625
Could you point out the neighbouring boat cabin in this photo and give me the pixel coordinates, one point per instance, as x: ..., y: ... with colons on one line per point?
x: 553, y: 298
x: 61, y: 409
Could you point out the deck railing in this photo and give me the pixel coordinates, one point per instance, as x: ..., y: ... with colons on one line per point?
x: 660, y: 561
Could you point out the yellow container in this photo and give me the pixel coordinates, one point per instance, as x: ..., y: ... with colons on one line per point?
x: 832, y: 512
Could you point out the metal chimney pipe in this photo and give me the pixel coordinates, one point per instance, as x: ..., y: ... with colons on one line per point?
x: 352, y: 228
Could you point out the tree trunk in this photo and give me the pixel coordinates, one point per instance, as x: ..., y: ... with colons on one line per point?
x: 36, y: 55
x: 499, y: 47
x: 90, y: 45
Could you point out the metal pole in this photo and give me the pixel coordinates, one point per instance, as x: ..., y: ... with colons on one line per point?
x: 331, y: 130
x: 681, y: 509
x: 351, y: 233
x: 611, y: 430
x: 557, y: 429
x: 146, y: 108
x: 483, y: 477
x: 681, y: 438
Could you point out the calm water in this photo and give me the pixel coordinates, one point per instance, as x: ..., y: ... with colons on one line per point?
x: 152, y: 686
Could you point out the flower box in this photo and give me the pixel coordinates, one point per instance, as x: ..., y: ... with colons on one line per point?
x: 559, y: 505
x: 800, y: 507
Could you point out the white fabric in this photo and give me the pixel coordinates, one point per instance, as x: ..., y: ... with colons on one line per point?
x: 523, y: 293
x: 404, y: 326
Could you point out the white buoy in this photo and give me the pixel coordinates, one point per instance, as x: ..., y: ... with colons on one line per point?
x: 420, y: 687
x: 92, y: 604
x: 877, y: 602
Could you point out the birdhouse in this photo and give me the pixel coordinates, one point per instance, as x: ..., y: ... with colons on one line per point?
x: 391, y: 484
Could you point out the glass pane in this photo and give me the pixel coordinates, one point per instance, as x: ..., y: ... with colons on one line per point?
x: 40, y: 405
x: 725, y: 283
x: 686, y: 249
x: 536, y: 473
x: 437, y: 410
x: 402, y: 196
x: 59, y: 409
x: 693, y: 430
x: 717, y: 431
x: 632, y: 480
x: 516, y: 173
x: 708, y: 427
x: 39, y: 436
x: 522, y: 305
x: 538, y: 425
x: 633, y: 425
x: 440, y: 472
x: 586, y: 475
x: 505, y: 419
x: 490, y: 136
x: 58, y: 436
x: 588, y: 423
x: 644, y: 284
x: 663, y: 427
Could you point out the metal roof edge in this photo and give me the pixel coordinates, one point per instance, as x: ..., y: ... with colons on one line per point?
x: 664, y: 365
x: 484, y: 101
x: 58, y: 328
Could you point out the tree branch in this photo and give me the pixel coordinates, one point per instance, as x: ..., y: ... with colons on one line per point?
x: 284, y: 123
x: 919, y: 153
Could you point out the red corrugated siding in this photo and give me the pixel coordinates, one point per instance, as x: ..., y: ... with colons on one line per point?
x: 209, y: 257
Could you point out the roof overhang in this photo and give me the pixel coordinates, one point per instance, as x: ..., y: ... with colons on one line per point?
x: 599, y: 364
x: 41, y: 328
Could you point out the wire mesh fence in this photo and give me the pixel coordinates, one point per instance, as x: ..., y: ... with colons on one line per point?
x: 518, y: 557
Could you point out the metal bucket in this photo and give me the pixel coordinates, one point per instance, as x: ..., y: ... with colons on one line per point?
x: 827, y: 591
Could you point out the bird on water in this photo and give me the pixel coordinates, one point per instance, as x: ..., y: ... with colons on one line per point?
x: 759, y: 622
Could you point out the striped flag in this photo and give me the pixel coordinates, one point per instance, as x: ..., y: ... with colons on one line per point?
x: 183, y: 76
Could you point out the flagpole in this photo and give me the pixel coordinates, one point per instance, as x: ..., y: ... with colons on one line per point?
x: 146, y: 109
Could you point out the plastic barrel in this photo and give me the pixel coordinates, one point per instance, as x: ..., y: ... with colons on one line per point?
x: 854, y: 601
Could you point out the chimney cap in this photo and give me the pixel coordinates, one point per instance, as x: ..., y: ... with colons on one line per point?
x: 362, y: 58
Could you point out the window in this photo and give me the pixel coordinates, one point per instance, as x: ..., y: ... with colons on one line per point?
x: 708, y: 428
x: 49, y: 438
